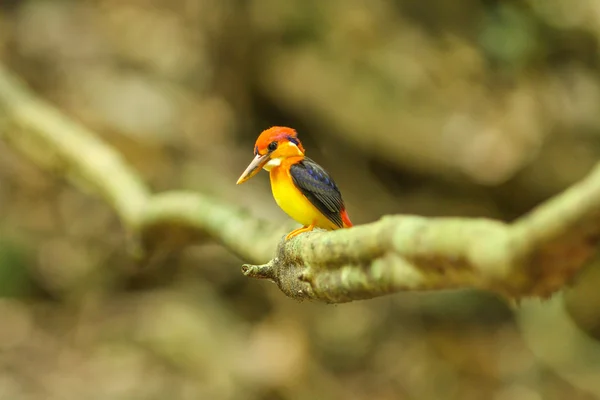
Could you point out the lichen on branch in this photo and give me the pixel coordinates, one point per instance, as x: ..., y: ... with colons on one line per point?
x: 535, y: 256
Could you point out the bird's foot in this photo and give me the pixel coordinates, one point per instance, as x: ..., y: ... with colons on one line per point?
x: 299, y: 231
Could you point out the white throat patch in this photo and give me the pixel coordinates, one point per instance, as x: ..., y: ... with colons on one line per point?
x: 274, y: 162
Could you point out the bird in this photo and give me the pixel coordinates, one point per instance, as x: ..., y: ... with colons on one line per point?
x: 300, y: 186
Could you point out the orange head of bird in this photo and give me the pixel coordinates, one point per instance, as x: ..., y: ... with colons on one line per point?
x: 272, y: 147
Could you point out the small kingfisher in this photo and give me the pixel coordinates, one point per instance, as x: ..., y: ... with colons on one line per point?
x: 301, y: 187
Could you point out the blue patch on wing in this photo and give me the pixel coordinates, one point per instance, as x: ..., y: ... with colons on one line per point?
x: 318, y: 187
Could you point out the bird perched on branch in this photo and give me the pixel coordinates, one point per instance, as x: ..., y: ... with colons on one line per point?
x: 301, y: 187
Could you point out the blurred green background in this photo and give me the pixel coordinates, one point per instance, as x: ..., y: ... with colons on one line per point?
x: 470, y: 108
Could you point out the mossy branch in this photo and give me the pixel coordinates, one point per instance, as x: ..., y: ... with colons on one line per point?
x: 534, y: 256
x: 54, y: 142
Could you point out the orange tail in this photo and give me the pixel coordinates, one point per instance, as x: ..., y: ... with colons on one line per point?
x: 346, y: 219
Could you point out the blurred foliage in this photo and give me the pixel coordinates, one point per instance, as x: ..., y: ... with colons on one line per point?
x: 475, y: 108
x: 15, y: 280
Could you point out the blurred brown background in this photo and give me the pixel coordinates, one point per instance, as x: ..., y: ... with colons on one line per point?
x: 471, y: 108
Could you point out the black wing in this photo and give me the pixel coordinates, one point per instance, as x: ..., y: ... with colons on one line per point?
x: 318, y: 187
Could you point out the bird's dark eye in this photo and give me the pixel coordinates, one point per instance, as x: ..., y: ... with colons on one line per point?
x: 272, y: 146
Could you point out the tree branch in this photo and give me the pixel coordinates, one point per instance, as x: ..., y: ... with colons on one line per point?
x: 50, y: 139
x: 54, y: 142
x: 535, y: 256
x: 247, y: 237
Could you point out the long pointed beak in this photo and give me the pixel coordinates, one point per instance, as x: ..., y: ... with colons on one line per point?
x: 254, y: 168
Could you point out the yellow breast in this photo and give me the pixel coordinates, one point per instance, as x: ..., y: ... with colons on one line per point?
x: 293, y: 202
